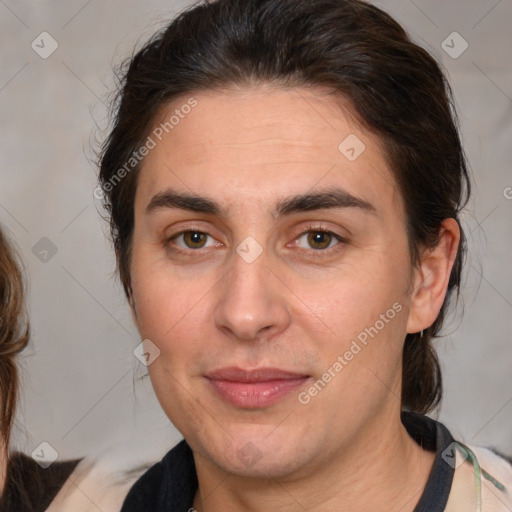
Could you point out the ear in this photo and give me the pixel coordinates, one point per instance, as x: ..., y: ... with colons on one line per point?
x: 431, y: 278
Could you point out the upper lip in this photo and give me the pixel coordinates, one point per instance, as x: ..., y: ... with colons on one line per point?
x: 235, y: 374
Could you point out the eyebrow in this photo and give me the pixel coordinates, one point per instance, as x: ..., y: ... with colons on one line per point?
x: 183, y: 201
x: 331, y: 198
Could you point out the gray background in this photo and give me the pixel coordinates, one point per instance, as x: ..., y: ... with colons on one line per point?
x: 83, y: 390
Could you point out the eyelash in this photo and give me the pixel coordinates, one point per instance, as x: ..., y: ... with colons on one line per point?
x: 315, y: 229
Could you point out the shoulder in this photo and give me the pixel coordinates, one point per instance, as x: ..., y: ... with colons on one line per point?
x: 499, y: 462
x: 96, y: 484
x: 495, y: 478
x: 499, y: 466
x: 30, y: 486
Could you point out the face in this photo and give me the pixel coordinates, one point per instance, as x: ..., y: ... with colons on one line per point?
x: 271, y: 268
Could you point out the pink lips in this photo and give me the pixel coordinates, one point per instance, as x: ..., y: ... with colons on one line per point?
x: 256, y: 388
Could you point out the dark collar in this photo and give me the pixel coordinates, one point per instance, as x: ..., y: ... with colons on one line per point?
x: 433, y: 436
x: 171, y: 484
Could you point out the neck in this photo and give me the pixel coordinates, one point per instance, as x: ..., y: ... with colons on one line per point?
x: 383, y: 469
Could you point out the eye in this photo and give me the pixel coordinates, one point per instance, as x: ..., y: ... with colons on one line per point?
x: 318, y: 239
x: 192, y: 240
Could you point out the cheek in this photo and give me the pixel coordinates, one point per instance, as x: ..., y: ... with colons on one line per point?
x: 171, y: 316
x: 166, y: 313
x: 173, y: 313
x: 365, y: 310
x: 163, y: 300
x: 357, y: 297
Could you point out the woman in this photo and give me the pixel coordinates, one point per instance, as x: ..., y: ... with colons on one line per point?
x: 25, y: 485
x: 284, y: 180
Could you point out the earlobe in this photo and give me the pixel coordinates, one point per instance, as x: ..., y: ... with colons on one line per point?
x: 432, y: 276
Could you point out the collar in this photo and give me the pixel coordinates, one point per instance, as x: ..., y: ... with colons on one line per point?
x: 171, y: 484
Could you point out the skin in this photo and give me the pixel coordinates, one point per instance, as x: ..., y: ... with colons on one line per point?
x: 296, y: 307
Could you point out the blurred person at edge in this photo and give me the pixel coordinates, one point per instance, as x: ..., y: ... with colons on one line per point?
x: 288, y: 248
x: 25, y: 486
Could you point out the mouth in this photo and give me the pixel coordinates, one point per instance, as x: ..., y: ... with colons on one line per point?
x: 253, y: 389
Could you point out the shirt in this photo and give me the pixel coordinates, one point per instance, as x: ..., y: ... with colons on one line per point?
x: 84, y: 485
x: 29, y: 487
x: 171, y: 484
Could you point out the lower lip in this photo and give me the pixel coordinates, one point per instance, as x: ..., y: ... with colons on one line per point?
x: 252, y: 395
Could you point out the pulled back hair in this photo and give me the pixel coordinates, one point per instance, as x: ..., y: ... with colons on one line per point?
x: 14, y: 332
x: 396, y: 89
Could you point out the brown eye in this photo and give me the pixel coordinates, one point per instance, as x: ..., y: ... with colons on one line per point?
x: 190, y: 241
x: 319, y: 239
x: 194, y: 239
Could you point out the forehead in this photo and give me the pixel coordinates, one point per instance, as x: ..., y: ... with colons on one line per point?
x: 256, y: 144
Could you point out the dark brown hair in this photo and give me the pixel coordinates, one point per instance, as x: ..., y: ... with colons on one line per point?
x: 14, y: 332
x: 396, y: 89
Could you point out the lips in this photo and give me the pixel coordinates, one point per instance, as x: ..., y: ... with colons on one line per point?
x: 256, y: 388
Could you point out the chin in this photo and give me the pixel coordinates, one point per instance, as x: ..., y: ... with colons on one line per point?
x: 254, y: 453
x: 270, y: 465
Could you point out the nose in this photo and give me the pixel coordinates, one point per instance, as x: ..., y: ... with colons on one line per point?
x: 252, y: 301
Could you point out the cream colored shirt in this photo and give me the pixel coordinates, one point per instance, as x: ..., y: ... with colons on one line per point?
x: 95, y: 485
x: 463, y: 494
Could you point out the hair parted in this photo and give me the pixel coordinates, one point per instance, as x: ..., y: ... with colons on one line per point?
x: 396, y: 89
